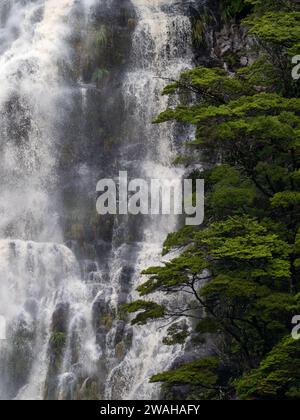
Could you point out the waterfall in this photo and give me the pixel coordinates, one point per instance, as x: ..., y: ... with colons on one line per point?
x: 65, y: 339
x: 44, y: 300
x: 161, y: 50
x: 32, y: 51
x: 42, y: 297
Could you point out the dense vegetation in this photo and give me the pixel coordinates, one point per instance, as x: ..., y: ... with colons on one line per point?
x: 242, y: 267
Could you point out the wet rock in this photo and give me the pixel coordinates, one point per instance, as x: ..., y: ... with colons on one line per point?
x: 119, y: 334
x: 60, y: 318
x: 125, y: 278
x: 128, y: 337
x: 120, y: 351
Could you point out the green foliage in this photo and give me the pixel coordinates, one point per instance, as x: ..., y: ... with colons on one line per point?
x: 244, y: 240
x: 280, y: 28
x: 275, y: 26
x: 197, y: 373
x: 278, y: 376
x: 231, y: 8
x: 175, y: 274
x: 262, y: 6
x: 150, y: 311
x: 201, y: 374
x: 286, y: 199
x: 178, y: 239
x: 213, y: 85
x: 177, y: 334
x: 228, y: 192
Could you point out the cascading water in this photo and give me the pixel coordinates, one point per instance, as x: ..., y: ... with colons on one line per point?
x: 42, y: 297
x: 64, y: 339
x: 44, y: 300
x: 161, y: 50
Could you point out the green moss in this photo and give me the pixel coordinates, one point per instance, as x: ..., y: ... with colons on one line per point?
x: 57, y: 343
x: 101, y: 37
x: 99, y: 75
x: 107, y: 321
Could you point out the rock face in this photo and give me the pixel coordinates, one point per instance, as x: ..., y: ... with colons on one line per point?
x: 219, y: 40
x: 91, y: 144
x: 233, y: 46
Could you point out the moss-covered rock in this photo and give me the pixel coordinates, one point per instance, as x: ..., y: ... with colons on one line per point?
x: 56, y: 348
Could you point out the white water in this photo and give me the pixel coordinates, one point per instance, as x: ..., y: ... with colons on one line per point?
x: 35, y: 277
x: 32, y: 50
x: 161, y: 50
x: 38, y: 277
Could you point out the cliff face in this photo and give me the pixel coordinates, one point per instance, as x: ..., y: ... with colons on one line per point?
x: 218, y: 38
x: 92, y: 140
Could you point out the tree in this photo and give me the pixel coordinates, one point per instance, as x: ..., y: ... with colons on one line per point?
x: 241, y: 269
x: 278, y: 376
